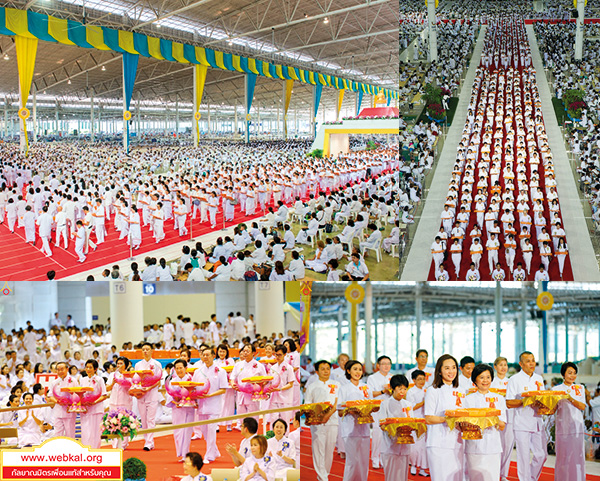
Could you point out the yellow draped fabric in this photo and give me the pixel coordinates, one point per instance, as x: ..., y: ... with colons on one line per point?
x: 401, y: 429
x: 545, y: 402
x: 178, y: 53
x: 235, y: 61
x: 219, y: 59
x: 16, y: 21
x: 26, y: 48
x: 339, y: 103
x: 154, y: 48
x: 95, y: 37
x: 58, y: 28
x: 201, y: 71
x: 126, y: 41
x: 252, y: 66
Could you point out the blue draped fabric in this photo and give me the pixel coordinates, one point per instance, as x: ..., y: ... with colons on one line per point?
x: 360, y: 97
x: 317, y: 100
x: 250, y: 84
x: 130, y: 64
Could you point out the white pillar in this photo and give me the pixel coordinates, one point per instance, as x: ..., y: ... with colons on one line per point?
x: 257, y: 118
x: 35, y: 124
x: 208, y: 121
x: 579, y: 31
x: 195, y: 123
x: 177, y: 118
x: 138, y: 115
x: 92, y: 126
x: 126, y: 312
x: 5, y: 118
x: 368, y: 322
x: 268, y: 302
x: 433, y: 53
x: 235, y: 120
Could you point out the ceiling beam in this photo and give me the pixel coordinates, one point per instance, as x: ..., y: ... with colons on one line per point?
x: 170, y: 14
x: 347, y: 39
x: 369, y: 3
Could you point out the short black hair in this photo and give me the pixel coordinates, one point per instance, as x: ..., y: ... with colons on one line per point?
x: 251, y: 425
x: 416, y: 373
x: 479, y: 369
x: 466, y: 360
x: 381, y: 358
x: 196, y: 460
x: 319, y: 363
x: 419, y: 351
x: 147, y: 344
x: 567, y: 365
x: 398, y: 380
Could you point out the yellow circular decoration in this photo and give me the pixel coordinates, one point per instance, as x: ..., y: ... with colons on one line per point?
x: 127, y: 115
x: 197, y: 115
x: 545, y: 301
x: 24, y: 113
x: 354, y: 293
x: 575, y: 3
x: 248, y: 117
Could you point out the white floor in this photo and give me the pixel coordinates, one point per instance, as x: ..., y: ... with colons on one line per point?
x: 418, y: 261
x: 591, y: 467
x: 581, y: 251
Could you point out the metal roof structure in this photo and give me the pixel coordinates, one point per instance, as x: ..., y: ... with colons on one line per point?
x: 356, y: 39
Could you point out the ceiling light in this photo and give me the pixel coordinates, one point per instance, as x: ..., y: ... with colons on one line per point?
x: 157, y: 25
x: 69, y: 81
x: 325, y: 20
x: 6, y: 57
x: 230, y: 43
x: 306, y: 15
x: 103, y: 68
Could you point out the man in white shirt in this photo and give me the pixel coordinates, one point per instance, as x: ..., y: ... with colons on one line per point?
x: 528, y: 425
x: 467, y: 364
x: 194, y: 273
x: 323, y: 436
x: 379, y: 383
x: 44, y: 221
x: 239, y: 327
x: 422, y: 357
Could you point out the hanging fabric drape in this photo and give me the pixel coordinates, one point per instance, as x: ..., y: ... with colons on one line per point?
x: 130, y: 64
x: 360, y: 97
x: 200, y: 72
x: 339, y: 103
x: 318, y: 89
x: 250, y: 83
x: 26, y: 48
x: 288, y: 86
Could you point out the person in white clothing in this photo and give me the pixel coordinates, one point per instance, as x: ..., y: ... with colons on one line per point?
x: 148, y: 400
x: 323, y: 436
x: 528, y: 425
x: 570, y: 428
x: 355, y: 435
x: 484, y: 455
x: 259, y: 466
x: 192, y: 465
x: 64, y: 421
x: 282, y: 396
x: 395, y: 456
x: 467, y: 364
x: 281, y: 449
x: 44, y: 221
x: 181, y: 413
x: 445, y: 454
x: 499, y: 384
x: 379, y: 383
x: 91, y: 420
x: 416, y: 396
x: 422, y: 358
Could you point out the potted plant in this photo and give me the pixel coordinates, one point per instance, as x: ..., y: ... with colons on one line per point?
x: 573, y: 103
x: 134, y: 469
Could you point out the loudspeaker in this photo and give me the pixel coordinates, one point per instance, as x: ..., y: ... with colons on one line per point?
x: 575, y: 13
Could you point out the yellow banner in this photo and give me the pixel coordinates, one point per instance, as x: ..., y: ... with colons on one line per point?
x: 201, y: 71
x: 26, y: 51
x: 339, y: 104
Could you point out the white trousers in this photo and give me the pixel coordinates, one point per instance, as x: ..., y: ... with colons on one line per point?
x: 148, y: 417
x: 530, y: 470
x: 209, y: 433
x: 357, y: 463
x: 395, y: 467
x: 65, y: 427
x: 445, y: 464
x: 418, y: 453
x: 182, y: 437
x: 322, y: 443
x: 483, y: 467
x: 376, y: 440
x: 570, y: 458
x: 508, y: 444
x: 91, y: 429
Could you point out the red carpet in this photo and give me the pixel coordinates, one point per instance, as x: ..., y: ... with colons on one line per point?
x: 307, y: 472
x: 161, y: 463
x: 20, y: 261
x: 499, y: 42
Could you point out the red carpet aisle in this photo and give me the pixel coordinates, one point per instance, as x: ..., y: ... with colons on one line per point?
x: 161, y: 463
x: 20, y: 261
x: 504, y: 85
x: 307, y: 472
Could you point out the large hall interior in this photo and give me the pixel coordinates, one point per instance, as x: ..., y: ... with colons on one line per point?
x: 499, y: 134
x: 199, y: 125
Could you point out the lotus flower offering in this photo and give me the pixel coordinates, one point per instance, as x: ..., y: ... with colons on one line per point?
x: 77, y: 398
x: 544, y: 402
x: 401, y: 429
x: 227, y: 369
x: 362, y: 409
x: 315, y: 412
x: 473, y: 421
x: 140, y: 380
x: 186, y: 393
x: 267, y: 362
x: 259, y: 386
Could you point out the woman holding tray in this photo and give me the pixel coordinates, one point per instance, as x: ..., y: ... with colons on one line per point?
x: 484, y: 455
x: 356, y: 436
x: 444, y: 447
x: 570, y: 429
